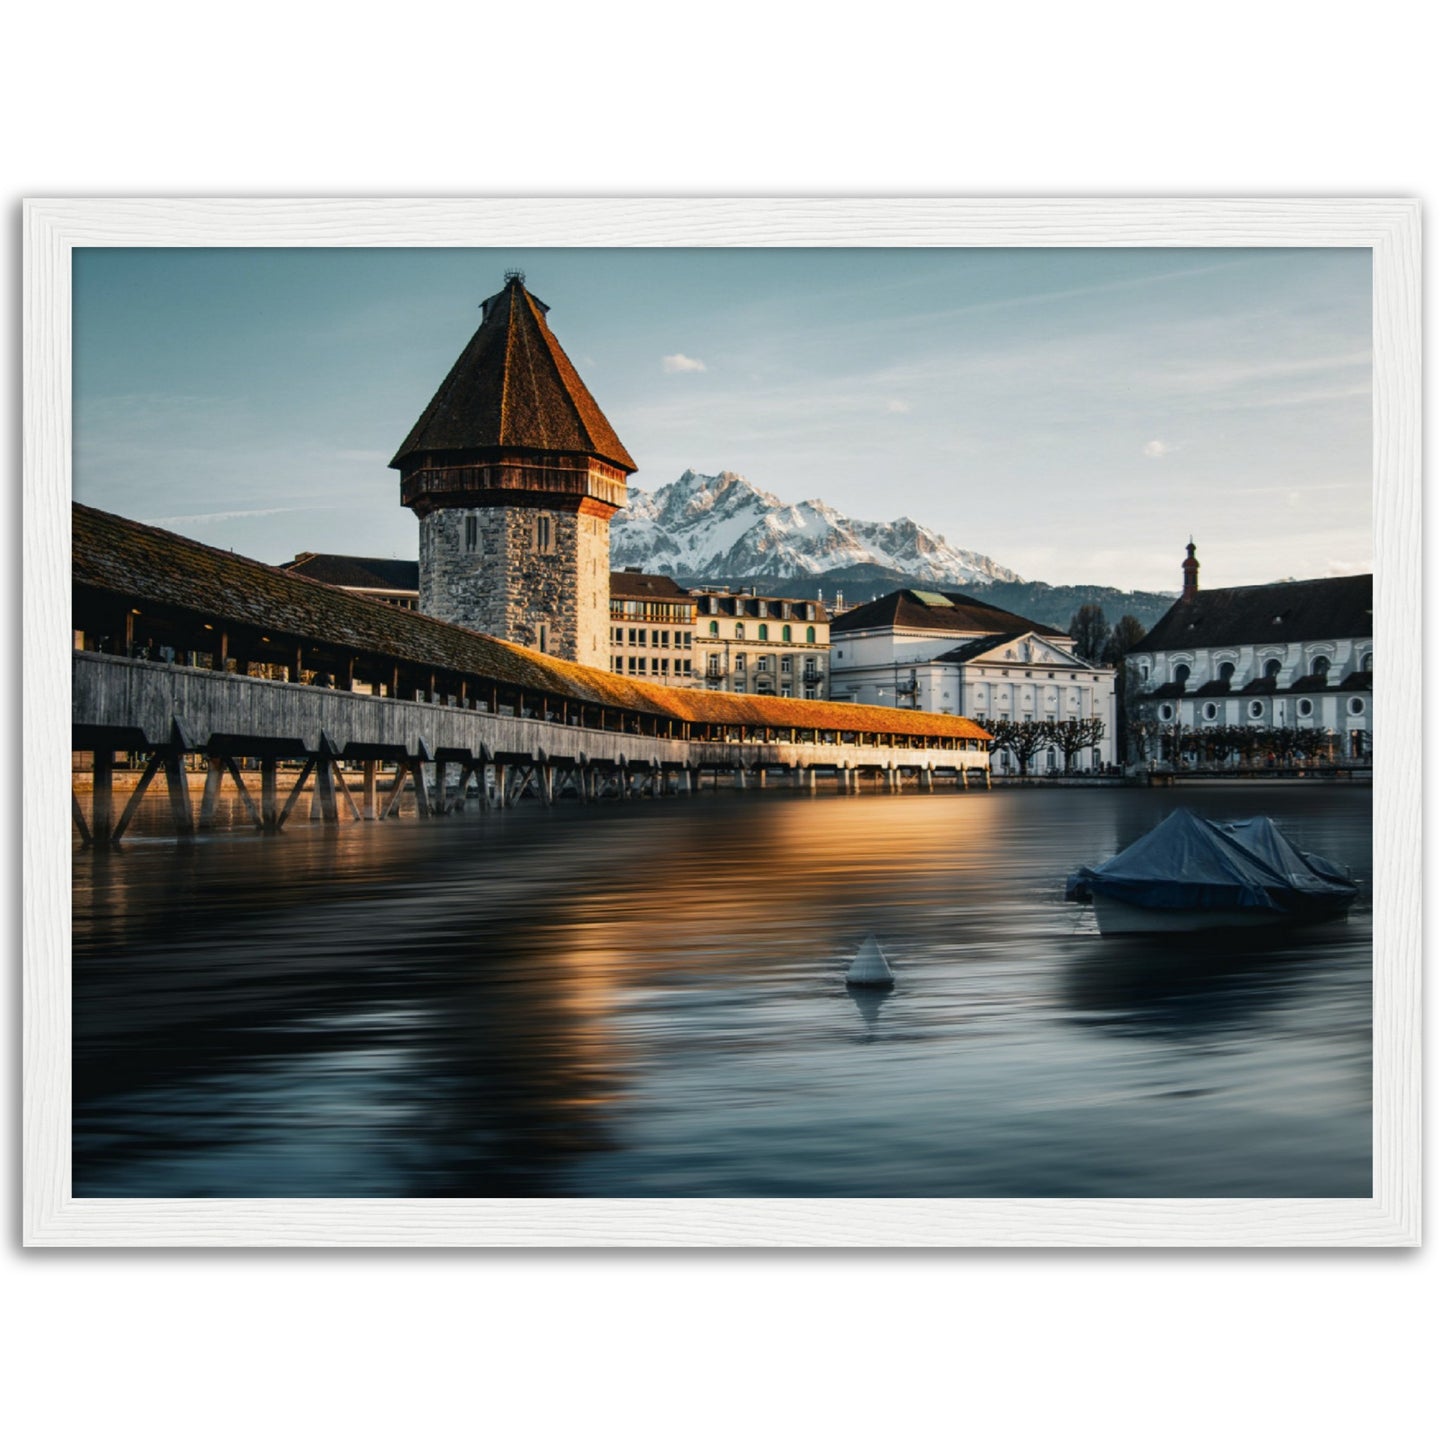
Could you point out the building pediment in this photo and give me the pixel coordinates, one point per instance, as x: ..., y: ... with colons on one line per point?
x: 1027, y: 649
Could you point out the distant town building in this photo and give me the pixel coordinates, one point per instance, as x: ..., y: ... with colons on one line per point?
x: 950, y: 653
x: 515, y: 475
x: 774, y: 646
x: 652, y: 628
x: 387, y: 579
x: 1280, y: 656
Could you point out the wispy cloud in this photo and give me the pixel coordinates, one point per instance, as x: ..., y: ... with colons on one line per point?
x: 678, y: 362
x: 1157, y: 448
x: 199, y: 519
x: 897, y: 406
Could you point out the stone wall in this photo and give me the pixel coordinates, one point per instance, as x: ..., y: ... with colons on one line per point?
x: 512, y: 585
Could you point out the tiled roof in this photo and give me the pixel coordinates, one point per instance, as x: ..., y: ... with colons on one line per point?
x: 1275, y: 612
x: 129, y: 560
x: 389, y: 574
x: 514, y: 388
x: 648, y: 585
x: 907, y: 609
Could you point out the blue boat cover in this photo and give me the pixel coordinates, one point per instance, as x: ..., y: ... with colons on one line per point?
x: 1189, y: 862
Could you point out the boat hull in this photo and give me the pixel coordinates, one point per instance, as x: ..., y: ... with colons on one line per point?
x: 1115, y: 916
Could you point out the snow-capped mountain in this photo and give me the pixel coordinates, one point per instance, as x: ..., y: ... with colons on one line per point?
x: 723, y: 526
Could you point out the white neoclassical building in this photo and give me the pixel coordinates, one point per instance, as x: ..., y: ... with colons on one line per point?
x: 949, y: 653
x: 1284, y: 655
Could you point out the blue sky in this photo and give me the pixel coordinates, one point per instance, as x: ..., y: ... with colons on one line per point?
x: 1075, y: 414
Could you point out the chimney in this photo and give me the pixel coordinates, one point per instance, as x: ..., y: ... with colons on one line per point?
x: 1191, y: 574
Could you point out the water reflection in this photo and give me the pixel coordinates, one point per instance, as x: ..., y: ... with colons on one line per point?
x: 649, y: 1000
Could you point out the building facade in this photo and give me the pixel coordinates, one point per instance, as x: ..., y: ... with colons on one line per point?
x: 652, y: 628
x: 1234, y: 674
x: 515, y: 474
x: 949, y: 653
x: 773, y: 646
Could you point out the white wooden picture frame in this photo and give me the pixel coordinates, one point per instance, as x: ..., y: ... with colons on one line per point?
x: 1390, y: 228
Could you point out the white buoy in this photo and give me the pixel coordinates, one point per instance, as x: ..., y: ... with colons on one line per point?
x: 870, y: 968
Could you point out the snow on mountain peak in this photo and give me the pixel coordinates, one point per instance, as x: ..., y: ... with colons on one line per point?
x: 723, y: 526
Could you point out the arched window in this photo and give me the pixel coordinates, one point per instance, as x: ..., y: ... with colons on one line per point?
x: 738, y: 630
x: 1367, y: 662
x: 787, y: 633
x: 1320, y: 667
x: 1272, y: 667
x: 1181, y: 674
x: 812, y: 634
x: 712, y: 629
x: 762, y: 632
x: 1226, y: 671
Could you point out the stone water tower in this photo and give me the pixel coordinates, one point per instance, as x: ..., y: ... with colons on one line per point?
x: 515, y: 475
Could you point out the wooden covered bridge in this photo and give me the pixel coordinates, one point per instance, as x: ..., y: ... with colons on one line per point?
x: 184, y: 651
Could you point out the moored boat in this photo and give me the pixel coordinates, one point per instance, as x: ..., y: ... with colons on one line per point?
x: 1189, y: 874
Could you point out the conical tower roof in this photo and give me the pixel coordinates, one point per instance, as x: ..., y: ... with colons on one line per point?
x: 513, y: 388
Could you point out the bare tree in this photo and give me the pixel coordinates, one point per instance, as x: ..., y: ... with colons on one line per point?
x: 1071, y: 735
x: 1029, y: 738
x: 1090, y: 631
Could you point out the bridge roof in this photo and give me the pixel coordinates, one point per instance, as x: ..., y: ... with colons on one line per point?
x: 136, y: 563
x: 513, y: 387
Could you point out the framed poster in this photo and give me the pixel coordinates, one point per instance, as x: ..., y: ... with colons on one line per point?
x: 619, y: 1011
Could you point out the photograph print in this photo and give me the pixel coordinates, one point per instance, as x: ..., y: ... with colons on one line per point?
x: 735, y: 723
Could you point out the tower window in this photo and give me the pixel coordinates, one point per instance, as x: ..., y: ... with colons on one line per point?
x: 470, y: 531
x: 542, y: 637
x: 544, y: 533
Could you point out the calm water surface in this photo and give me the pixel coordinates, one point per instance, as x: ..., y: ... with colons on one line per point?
x: 647, y: 1000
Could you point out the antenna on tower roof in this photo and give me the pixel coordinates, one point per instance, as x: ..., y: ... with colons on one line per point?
x: 510, y: 276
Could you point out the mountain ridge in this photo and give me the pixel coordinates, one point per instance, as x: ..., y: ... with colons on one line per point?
x: 721, y: 530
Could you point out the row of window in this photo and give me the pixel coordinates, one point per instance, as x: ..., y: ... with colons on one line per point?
x: 1304, y: 707
x: 762, y: 663
x: 652, y: 611
x: 543, y: 533
x: 638, y: 637
x: 1319, y: 667
x: 653, y: 666
x: 739, y: 631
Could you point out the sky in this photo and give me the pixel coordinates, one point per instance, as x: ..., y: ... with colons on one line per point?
x: 1075, y: 414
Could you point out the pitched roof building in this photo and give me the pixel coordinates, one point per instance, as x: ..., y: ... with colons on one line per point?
x: 951, y: 653
x: 387, y: 579
x: 1281, y: 655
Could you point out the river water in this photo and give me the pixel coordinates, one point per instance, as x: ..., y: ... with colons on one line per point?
x: 647, y: 999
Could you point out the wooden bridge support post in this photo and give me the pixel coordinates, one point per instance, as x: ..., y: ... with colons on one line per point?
x: 547, y: 780
x: 270, y: 814
x: 324, y: 797
x: 177, y: 786
x: 925, y: 780
x: 740, y: 779
x: 422, y: 793
x: 211, y: 795
x: 102, y: 796
x: 368, y: 789
x: 762, y: 775
x: 812, y: 780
